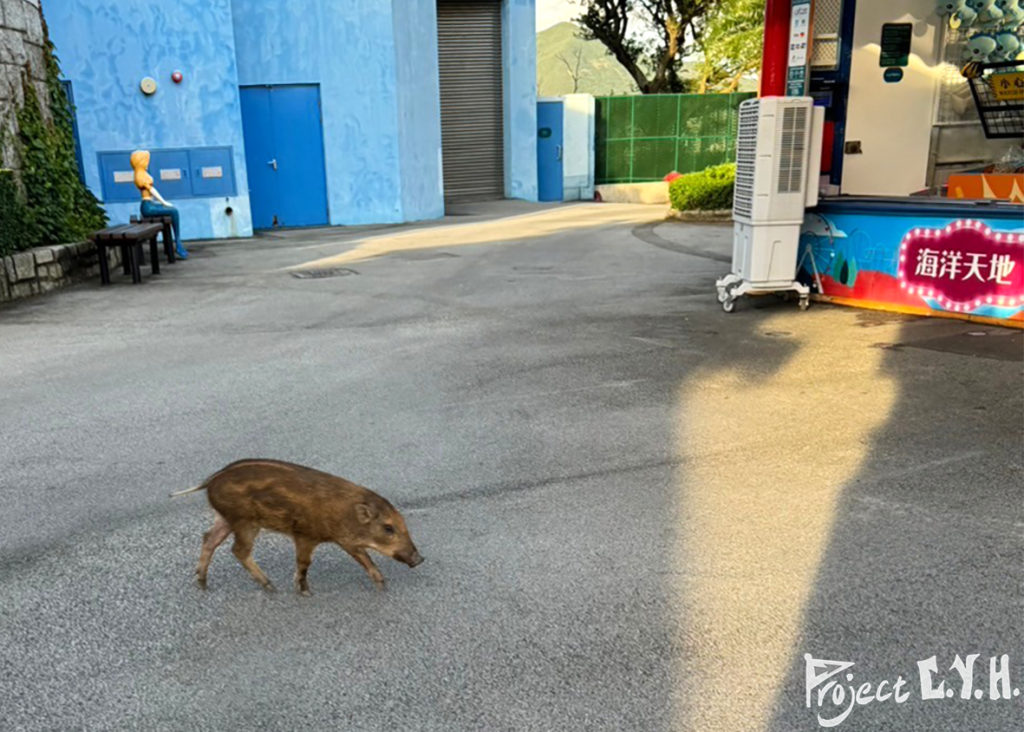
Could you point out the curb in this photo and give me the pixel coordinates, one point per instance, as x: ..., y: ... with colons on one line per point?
x: 707, y: 217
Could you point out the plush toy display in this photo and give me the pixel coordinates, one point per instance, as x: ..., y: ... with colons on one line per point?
x: 1013, y: 13
x: 1007, y: 46
x: 989, y: 14
x: 948, y: 7
x: 980, y: 48
x: 965, y: 15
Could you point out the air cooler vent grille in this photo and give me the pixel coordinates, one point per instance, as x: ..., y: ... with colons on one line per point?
x: 791, y: 152
x: 746, y: 158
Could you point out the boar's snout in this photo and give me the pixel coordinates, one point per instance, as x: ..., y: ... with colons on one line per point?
x: 408, y: 555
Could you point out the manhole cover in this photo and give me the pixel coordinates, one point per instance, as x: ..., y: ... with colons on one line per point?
x: 320, y: 274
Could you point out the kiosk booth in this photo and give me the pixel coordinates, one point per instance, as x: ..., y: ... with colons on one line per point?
x: 923, y: 150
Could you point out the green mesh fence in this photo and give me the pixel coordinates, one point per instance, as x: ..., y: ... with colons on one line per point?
x: 643, y: 138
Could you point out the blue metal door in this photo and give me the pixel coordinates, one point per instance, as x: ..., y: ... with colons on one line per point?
x: 284, y: 155
x: 549, y: 151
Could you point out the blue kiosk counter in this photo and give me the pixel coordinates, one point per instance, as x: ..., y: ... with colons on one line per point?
x: 921, y: 255
x: 922, y: 169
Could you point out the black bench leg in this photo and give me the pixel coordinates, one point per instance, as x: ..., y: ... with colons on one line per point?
x: 169, y: 242
x: 154, y: 256
x: 126, y: 259
x: 104, y: 264
x: 136, y: 248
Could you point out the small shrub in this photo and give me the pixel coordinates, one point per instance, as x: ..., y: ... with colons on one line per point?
x: 708, y: 190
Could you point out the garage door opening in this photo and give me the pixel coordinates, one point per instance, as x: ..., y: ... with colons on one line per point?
x: 472, y: 134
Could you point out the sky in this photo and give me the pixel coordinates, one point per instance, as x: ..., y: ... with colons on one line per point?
x: 550, y: 12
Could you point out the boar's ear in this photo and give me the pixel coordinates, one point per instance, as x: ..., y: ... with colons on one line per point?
x: 365, y: 513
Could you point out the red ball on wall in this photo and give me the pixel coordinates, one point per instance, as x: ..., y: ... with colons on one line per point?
x: 176, y: 77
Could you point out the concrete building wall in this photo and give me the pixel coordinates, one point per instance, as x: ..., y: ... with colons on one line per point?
x: 519, y: 62
x: 375, y: 62
x: 419, y: 108
x: 349, y: 50
x: 107, y: 46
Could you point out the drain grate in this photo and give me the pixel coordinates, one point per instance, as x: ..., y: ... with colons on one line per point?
x: 320, y: 274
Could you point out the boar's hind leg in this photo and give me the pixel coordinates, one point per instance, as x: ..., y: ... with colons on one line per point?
x: 303, y: 557
x: 364, y: 560
x: 212, y: 539
x: 245, y: 534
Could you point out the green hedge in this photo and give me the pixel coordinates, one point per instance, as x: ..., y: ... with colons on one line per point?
x: 708, y: 190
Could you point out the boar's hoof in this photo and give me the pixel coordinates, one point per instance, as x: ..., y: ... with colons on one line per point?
x: 269, y: 587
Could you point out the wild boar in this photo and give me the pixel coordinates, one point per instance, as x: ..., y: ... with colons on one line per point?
x: 310, y: 506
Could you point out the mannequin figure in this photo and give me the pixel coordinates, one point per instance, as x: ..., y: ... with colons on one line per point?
x: 144, y: 182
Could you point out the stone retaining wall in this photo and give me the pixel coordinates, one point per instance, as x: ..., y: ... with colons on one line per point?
x: 21, y: 52
x: 39, y: 270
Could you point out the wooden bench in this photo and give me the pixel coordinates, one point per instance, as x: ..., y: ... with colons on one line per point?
x: 130, y: 238
x: 168, y: 235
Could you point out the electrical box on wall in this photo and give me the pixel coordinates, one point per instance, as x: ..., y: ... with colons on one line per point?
x: 177, y: 173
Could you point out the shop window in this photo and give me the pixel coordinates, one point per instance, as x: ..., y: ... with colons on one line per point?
x: 955, y: 104
x: 958, y: 142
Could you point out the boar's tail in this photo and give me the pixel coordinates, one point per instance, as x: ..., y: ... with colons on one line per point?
x: 188, y: 490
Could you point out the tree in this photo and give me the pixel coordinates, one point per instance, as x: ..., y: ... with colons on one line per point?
x: 731, y: 44
x: 653, y: 47
x: 651, y: 38
x: 572, y: 66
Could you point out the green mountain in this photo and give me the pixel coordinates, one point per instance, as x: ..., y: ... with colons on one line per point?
x: 566, y: 63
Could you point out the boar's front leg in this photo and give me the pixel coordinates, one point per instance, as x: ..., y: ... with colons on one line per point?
x: 364, y: 560
x: 303, y: 558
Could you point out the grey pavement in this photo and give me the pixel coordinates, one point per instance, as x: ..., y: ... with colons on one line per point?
x: 638, y: 512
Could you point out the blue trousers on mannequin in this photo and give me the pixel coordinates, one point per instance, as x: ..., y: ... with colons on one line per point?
x: 155, y: 208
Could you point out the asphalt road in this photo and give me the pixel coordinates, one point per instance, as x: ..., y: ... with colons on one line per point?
x: 638, y: 513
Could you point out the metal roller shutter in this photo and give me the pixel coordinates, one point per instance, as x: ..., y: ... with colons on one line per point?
x: 469, y: 62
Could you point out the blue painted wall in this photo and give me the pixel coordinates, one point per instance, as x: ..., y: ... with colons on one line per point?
x: 519, y: 62
x: 347, y: 48
x: 107, y: 46
x: 419, y: 108
x: 375, y: 62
